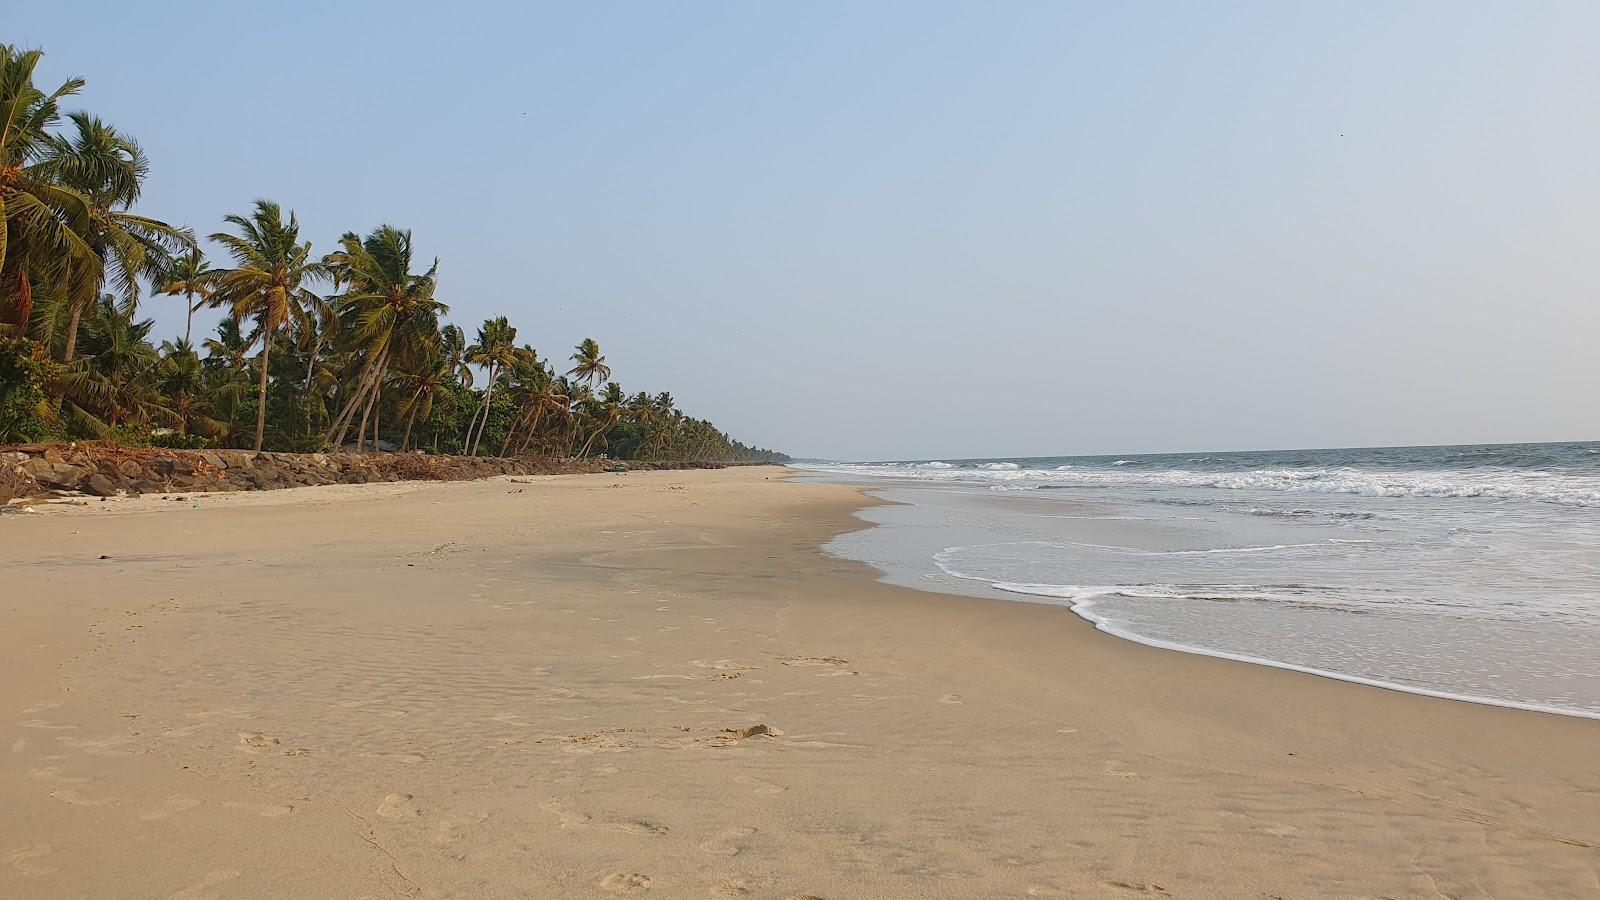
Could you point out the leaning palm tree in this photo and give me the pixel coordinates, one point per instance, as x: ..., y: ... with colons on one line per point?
x: 108, y: 169
x: 608, y: 411
x: 188, y: 274
x: 267, y: 284
x: 496, y: 351
x: 41, y: 221
x: 588, y: 364
x: 388, y: 315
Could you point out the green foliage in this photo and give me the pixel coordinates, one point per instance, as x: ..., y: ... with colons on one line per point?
x: 287, y: 369
x: 26, y: 413
x: 177, y: 440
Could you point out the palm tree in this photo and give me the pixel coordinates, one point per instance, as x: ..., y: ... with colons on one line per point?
x: 428, y: 384
x: 588, y: 364
x: 388, y: 313
x: 453, y: 347
x: 108, y: 169
x: 41, y: 221
x: 611, y: 407
x: 190, y: 275
x: 271, y: 267
x: 495, y: 350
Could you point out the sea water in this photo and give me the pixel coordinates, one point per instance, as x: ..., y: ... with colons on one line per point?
x: 1470, y: 572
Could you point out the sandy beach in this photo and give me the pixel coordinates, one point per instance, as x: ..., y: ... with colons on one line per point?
x: 557, y: 687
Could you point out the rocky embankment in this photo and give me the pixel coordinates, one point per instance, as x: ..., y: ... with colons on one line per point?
x: 43, y: 470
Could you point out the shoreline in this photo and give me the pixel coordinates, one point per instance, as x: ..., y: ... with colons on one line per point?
x: 564, y: 724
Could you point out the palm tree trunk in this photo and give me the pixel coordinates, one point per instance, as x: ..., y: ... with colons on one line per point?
x: 361, y: 430
x: 72, y: 335
x: 471, y: 424
x: 488, y: 394
x: 24, y: 301
x: 188, y: 325
x: 261, y: 394
x: 341, y: 424
x: 405, y: 440
x: 483, y: 422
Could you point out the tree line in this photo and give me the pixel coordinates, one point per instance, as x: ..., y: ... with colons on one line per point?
x: 314, y: 351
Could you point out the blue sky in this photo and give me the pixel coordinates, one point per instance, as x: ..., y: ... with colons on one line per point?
x: 897, y: 230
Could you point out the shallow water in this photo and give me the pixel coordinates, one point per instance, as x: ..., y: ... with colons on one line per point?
x: 1470, y: 572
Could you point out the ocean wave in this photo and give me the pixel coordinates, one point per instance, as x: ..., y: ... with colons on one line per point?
x: 1488, y: 484
x: 934, y: 465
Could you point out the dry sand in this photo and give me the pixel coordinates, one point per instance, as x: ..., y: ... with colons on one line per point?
x: 524, y: 689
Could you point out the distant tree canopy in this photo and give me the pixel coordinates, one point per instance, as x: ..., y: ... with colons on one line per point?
x: 314, y: 351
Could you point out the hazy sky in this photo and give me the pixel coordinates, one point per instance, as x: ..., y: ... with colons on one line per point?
x: 896, y: 230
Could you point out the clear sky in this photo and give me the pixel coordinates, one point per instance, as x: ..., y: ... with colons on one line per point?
x: 898, y: 230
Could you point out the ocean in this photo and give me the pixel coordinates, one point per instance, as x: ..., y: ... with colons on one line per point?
x: 1467, y: 572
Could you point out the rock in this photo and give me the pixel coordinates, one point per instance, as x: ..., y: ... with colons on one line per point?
x: 214, y: 461
x: 749, y: 731
x: 63, y: 475
x: 130, y: 468
x: 101, y: 486
x: 54, y: 456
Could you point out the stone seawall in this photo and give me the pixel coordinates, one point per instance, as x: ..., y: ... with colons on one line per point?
x: 43, y: 470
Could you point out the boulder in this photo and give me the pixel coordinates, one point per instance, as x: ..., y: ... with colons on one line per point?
x: 100, y: 486
x: 64, y: 475
x: 130, y: 468
x: 214, y: 461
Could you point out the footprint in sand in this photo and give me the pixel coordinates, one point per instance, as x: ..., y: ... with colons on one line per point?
x: 452, y: 830
x: 567, y: 814
x: 264, y: 810
x: 69, y: 795
x: 1114, y: 768
x: 1143, y: 887
x: 827, y: 661
x: 625, y: 883
x: 761, y: 785
x: 26, y: 860
x: 398, y: 806
x: 729, y: 842
x: 256, y: 740
x: 721, y: 665
x: 646, y: 829
x: 173, y: 805
x: 53, y: 773
x: 201, y: 890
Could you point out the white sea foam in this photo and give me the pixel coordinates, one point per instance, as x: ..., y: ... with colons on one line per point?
x: 935, y: 465
x: 1488, y: 483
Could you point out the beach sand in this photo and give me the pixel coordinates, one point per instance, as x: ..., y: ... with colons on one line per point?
x: 534, y: 688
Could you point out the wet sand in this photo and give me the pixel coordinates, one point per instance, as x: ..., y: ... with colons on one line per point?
x: 546, y: 687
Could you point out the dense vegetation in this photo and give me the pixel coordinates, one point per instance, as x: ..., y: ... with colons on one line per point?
x: 314, y: 351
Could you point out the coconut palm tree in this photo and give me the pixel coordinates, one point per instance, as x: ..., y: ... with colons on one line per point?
x: 496, y: 351
x: 608, y: 412
x: 108, y: 169
x: 588, y: 364
x: 41, y: 221
x: 387, y: 315
x: 188, y: 274
x: 267, y: 284
x: 453, y: 347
